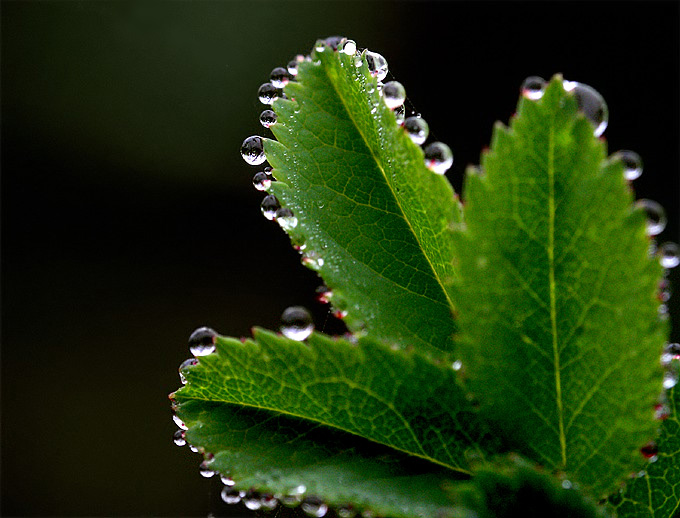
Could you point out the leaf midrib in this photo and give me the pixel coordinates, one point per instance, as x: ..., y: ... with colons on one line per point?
x: 394, y: 195
x: 553, y: 290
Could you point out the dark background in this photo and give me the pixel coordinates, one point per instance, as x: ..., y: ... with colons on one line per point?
x: 129, y: 218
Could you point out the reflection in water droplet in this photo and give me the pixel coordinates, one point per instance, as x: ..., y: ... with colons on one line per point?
x: 285, y: 218
x: 231, y: 495
x: 267, y: 118
x: 179, y: 438
x: 656, y: 216
x: 417, y: 129
x: 394, y: 94
x: 296, y: 323
x: 262, y: 181
x: 252, y: 150
x: 631, y: 161
x: 184, y: 365
x: 349, y: 47
x: 270, y: 204
x: 279, y: 77
x: 202, y: 341
x: 267, y: 93
x: 438, y: 157
x: 204, y: 470
x: 591, y: 104
x: 533, y: 88
x: 179, y: 422
x: 314, y: 507
x: 323, y: 294
x: 294, y: 497
x: 377, y: 65
x: 669, y: 255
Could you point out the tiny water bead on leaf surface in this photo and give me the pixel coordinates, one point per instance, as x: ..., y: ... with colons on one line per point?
x: 262, y: 181
x: 252, y: 150
x: 669, y: 255
x: 267, y: 93
x: 417, y: 129
x: 296, y: 323
x: 438, y: 157
x: 270, y: 204
x: 267, y: 118
x: 179, y: 438
x: 591, y: 104
x: 631, y: 161
x: 394, y: 94
x: 656, y: 216
x: 377, y: 65
x: 202, y: 341
x: 533, y: 88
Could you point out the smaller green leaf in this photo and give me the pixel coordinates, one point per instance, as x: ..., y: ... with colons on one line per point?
x: 277, y: 454
x: 398, y: 398
x: 656, y: 494
x: 513, y: 487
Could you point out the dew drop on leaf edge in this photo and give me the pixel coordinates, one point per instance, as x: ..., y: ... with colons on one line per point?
x: 202, y: 341
x: 669, y: 255
x: 394, y: 94
x: 267, y: 118
x: 270, y: 204
x: 285, y: 218
x: 377, y: 65
x: 179, y: 438
x: 438, y: 157
x: 314, y: 507
x: 279, y: 77
x: 417, y: 129
x: 230, y: 495
x: 533, y: 88
x: 591, y: 104
x: 656, y: 216
x: 252, y: 150
x: 267, y: 93
x: 631, y: 161
x: 262, y: 181
x: 296, y: 323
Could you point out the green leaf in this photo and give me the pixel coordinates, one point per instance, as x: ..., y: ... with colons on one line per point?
x: 397, y: 398
x: 657, y: 493
x: 557, y: 304
x: 276, y: 454
x: 367, y: 207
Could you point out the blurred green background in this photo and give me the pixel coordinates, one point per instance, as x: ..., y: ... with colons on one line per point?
x: 129, y: 218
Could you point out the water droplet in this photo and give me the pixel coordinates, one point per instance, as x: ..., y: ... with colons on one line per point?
x: 252, y: 150
x: 202, y: 341
x: 262, y: 181
x: 286, y: 219
x: 267, y: 93
x: 340, y: 314
x: 279, y: 77
x: 591, y: 104
x: 294, y: 497
x: 293, y: 67
x: 394, y: 94
x: 231, y: 495
x: 566, y: 484
x: 179, y: 422
x: 270, y: 204
x: 661, y: 412
x: 314, y: 507
x: 672, y: 349
x: 438, y: 157
x: 669, y: 255
x: 179, y: 438
x: 670, y: 377
x: 377, y: 65
x: 252, y: 500
x: 185, y: 364
x: 631, y: 161
x: 346, y: 512
x: 650, y: 451
x: 204, y: 470
x: 656, y: 216
x: 533, y: 88
x: 268, y: 502
x: 296, y: 323
x: 400, y: 114
x: 267, y: 118
x: 349, y: 47
x: 457, y: 365
x: 313, y: 260
x: 227, y: 481
x: 417, y: 129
